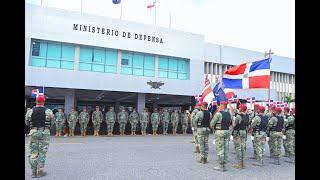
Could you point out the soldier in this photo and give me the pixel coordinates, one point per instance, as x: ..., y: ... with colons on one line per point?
x: 97, y: 118
x: 284, y: 141
x: 144, y: 119
x: 40, y: 121
x: 252, y: 115
x: 26, y: 122
x: 290, y: 134
x: 184, y: 121
x: 194, y: 127
x: 203, y: 121
x: 271, y: 113
x: 221, y: 122
x: 259, y: 127
x: 240, y: 125
x: 60, y: 121
x: 165, y: 120
x: 123, y: 119
x: 110, y: 119
x: 84, y: 120
x: 155, y: 120
x: 72, y: 120
x: 134, y: 120
x: 174, y: 121
x: 275, y: 127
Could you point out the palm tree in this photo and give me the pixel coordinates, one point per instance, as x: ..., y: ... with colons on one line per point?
x: 288, y: 99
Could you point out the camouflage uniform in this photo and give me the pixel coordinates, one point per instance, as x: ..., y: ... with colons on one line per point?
x: 123, y: 119
x: 240, y: 124
x: 184, y: 122
x: 275, y: 138
x: 174, y: 121
x: 39, y: 142
x: 59, y: 121
x: 252, y: 114
x: 290, y: 136
x: 144, y: 119
x: 97, y: 118
x: 194, y: 129
x: 72, y: 121
x: 221, y: 138
x: 134, y: 120
x: 165, y: 120
x: 270, y: 115
x: 110, y: 119
x: 155, y: 120
x: 83, y: 119
x: 202, y: 135
x: 260, y: 138
x: 26, y: 121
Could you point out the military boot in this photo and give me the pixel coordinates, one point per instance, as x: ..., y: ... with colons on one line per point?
x: 219, y: 167
x: 238, y: 165
x: 34, y: 173
x: 291, y: 159
x: 41, y: 173
x: 259, y: 163
x: 57, y: 133
x: 276, y: 161
x: 205, y: 160
x: 201, y: 160
x: 98, y: 133
x: 132, y: 133
x: 242, y: 164
x: 84, y: 133
x: 224, y: 168
x: 197, y: 150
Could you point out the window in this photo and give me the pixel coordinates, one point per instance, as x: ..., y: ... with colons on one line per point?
x: 138, y: 64
x: 173, y: 68
x: 52, y: 54
x: 98, y: 59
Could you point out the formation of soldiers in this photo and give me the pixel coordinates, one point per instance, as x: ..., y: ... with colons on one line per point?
x: 273, y: 126
x: 123, y: 117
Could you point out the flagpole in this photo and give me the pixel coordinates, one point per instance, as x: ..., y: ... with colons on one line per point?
x: 121, y: 12
x: 155, y: 13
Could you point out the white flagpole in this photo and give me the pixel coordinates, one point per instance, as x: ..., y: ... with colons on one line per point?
x: 81, y: 6
x: 121, y: 11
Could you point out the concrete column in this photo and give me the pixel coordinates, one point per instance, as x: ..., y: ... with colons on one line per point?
x: 76, y: 58
x: 211, y: 67
x: 207, y: 67
x: 69, y: 100
x: 156, y: 61
x: 119, y: 62
x: 141, y: 102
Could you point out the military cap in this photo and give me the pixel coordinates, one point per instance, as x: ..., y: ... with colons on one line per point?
x: 242, y: 107
x: 262, y: 108
x: 40, y: 99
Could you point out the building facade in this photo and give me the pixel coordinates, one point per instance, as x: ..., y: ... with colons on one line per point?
x: 84, y: 59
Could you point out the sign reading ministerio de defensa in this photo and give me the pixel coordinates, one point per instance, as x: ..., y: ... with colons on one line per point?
x: 117, y: 33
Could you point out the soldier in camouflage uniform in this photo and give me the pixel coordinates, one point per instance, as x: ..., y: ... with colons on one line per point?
x: 40, y: 121
x: 259, y: 127
x: 251, y: 116
x: 26, y: 122
x: 97, y: 118
x: 290, y: 134
x: 194, y: 127
x: 270, y: 114
x: 72, y: 121
x: 110, y: 119
x: 203, y: 118
x: 239, y: 133
x: 155, y: 120
x: 59, y: 121
x: 275, y: 127
x: 134, y: 120
x: 184, y: 121
x: 165, y: 120
x: 221, y: 123
x: 174, y: 121
x: 144, y: 119
x: 83, y: 120
x: 122, y: 119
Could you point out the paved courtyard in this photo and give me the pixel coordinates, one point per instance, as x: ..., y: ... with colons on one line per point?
x: 145, y: 157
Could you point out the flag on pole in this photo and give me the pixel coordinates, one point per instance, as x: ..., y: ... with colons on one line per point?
x: 36, y: 92
x: 207, y: 94
x: 251, y: 100
x: 248, y: 75
x: 116, y: 1
x: 151, y: 5
x: 234, y: 98
x: 219, y: 93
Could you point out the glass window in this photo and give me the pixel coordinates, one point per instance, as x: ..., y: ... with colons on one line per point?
x: 163, y: 74
x: 53, y: 63
x: 172, y: 75
x: 68, y: 52
x: 85, y: 54
x: 149, y: 73
x: 126, y: 59
x: 173, y: 64
x: 149, y: 62
x: 97, y: 68
x: 174, y: 68
x: 54, y: 51
x: 35, y: 48
x: 137, y: 61
x: 84, y: 66
x: 111, y: 57
x: 38, y: 62
x: 125, y: 70
x: 66, y: 65
x: 163, y: 63
x: 111, y: 69
x: 138, y: 72
x: 99, y: 55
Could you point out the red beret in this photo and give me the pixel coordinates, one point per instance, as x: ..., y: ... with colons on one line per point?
x: 243, y: 107
x: 40, y: 98
x: 223, y: 102
x: 286, y: 109
x: 262, y: 108
x: 256, y: 105
x: 278, y: 109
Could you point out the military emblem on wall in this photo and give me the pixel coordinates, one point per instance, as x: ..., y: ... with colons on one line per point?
x: 155, y: 85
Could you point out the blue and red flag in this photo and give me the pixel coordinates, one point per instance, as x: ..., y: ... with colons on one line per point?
x: 36, y: 92
x: 248, y: 75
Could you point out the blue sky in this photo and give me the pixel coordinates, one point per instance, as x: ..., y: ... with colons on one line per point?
x: 250, y: 24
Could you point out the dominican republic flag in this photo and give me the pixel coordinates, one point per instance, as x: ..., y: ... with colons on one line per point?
x: 234, y: 98
x: 36, y: 92
x: 151, y: 5
x: 219, y: 93
x: 229, y: 92
x: 207, y: 94
x: 248, y: 75
x: 252, y: 99
x: 269, y: 102
x: 116, y: 1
